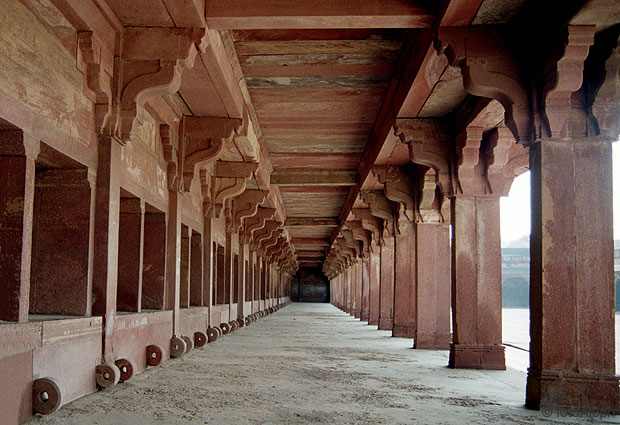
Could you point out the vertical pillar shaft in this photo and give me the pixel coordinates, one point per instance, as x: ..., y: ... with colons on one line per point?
x: 207, y: 262
x: 364, y: 313
x: 386, y: 298
x: 374, y: 264
x: 243, y: 250
x: 572, y: 355
x: 476, y: 284
x: 173, y: 258
x: 105, y: 264
x: 404, y: 286
x: 432, y: 279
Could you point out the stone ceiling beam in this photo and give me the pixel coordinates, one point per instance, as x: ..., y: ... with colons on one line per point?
x: 266, y: 14
x: 310, y: 221
x: 315, y: 178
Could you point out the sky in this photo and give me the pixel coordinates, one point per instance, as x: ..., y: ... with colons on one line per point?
x: 515, y: 208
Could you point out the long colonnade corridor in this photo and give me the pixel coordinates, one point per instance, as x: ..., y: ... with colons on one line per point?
x: 310, y: 363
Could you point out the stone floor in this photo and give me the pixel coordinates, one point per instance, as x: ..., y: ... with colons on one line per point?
x: 311, y: 363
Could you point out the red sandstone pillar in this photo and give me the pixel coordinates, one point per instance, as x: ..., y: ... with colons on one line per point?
x: 432, y: 328
x: 404, y: 284
x: 374, y: 275
x: 364, y: 313
x: 105, y: 265
x: 173, y: 258
x: 243, y: 255
x: 476, y: 284
x: 208, y: 256
x: 386, y: 297
x: 358, y: 288
x: 572, y: 350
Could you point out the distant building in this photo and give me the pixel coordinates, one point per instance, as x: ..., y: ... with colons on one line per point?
x: 516, y: 275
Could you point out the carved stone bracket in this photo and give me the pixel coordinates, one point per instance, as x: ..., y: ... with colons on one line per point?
x: 397, y: 186
x: 603, y: 85
x: 151, y: 65
x: 432, y: 206
x: 468, y: 165
x: 257, y: 222
x: 170, y: 144
x: 489, y: 70
x: 429, y: 145
x: 564, y: 76
x: 381, y: 208
x: 362, y: 235
x: 497, y: 155
x: 246, y: 205
x: 230, y: 180
x: 370, y: 223
x: 203, y: 140
x: 98, y: 82
x: 352, y: 243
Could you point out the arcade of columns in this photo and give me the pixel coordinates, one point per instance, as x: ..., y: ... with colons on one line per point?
x: 159, y: 229
x: 423, y: 233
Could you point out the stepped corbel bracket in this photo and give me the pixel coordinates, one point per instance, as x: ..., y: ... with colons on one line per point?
x: 151, y: 64
x: 370, y: 223
x: 397, y: 186
x: 563, y: 77
x: 469, y: 167
x: 246, y: 205
x: 170, y: 145
x: 497, y: 154
x: 203, y: 139
x: 257, y: 222
x: 431, y: 202
x: 206, y: 182
x: 490, y: 70
x: 604, y: 88
x: 265, y: 233
x: 352, y: 243
x: 381, y: 208
x: 230, y: 181
x: 429, y: 145
x: 362, y: 235
x: 98, y: 81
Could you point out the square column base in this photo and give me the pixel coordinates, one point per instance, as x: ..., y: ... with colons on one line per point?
x: 364, y: 316
x: 386, y: 324
x: 403, y: 331
x: 431, y: 341
x: 568, y: 390
x: 477, y: 356
x: 355, y: 313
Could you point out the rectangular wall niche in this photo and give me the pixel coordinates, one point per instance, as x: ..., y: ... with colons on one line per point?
x: 59, y: 278
x: 153, y: 258
x: 130, y: 241
x: 219, y: 289
x: 195, y: 284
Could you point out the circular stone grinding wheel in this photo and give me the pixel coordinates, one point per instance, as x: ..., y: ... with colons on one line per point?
x: 219, y: 331
x: 233, y: 325
x: 212, y: 334
x: 189, y: 344
x: 107, y: 375
x: 248, y: 320
x: 200, y: 339
x: 154, y: 355
x: 240, y: 322
x: 225, y: 327
x: 127, y: 368
x: 177, y: 346
x: 46, y: 395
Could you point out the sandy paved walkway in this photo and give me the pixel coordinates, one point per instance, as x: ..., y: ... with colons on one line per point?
x: 310, y: 363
